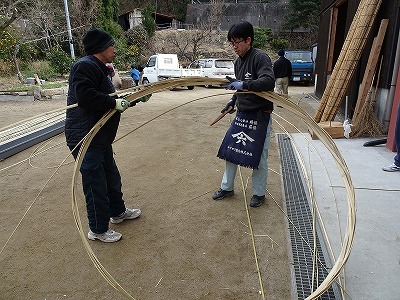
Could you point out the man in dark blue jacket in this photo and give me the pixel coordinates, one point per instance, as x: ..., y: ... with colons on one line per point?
x: 247, y: 141
x: 89, y: 87
x: 395, y: 166
x: 283, y: 73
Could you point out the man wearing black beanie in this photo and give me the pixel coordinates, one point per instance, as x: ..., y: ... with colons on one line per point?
x: 89, y: 87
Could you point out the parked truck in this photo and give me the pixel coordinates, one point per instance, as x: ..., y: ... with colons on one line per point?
x: 302, y: 65
x: 165, y: 66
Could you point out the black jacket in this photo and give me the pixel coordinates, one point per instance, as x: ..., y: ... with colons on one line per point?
x: 89, y: 86
x: 282, y: 68
x: 255, y: 70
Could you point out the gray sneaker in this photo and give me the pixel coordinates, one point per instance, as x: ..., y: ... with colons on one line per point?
x: 110, y: 236
x: 391, y: 168
x: 128, y: 214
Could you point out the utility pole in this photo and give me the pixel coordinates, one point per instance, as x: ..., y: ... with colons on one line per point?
x: 71, y: 45
x: 155, y: 13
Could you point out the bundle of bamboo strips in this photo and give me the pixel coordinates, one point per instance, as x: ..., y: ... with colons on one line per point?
x: 348, y: 60
x: 365, y: 122
x: 135, y: 93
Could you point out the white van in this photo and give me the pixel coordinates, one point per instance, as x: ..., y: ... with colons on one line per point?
x: 164, y: 66
x: 214, y: 67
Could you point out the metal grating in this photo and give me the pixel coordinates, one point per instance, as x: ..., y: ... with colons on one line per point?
x: 301, y: 225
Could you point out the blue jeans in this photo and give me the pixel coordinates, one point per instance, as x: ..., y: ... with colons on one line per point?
x: 259, y: 176
x: 397, y: 138
x: 101, y: 183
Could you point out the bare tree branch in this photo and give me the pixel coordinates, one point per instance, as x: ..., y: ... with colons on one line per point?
x: 9, y: 21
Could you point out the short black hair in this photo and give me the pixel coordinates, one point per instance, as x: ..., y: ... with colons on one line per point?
x: 241, y: 30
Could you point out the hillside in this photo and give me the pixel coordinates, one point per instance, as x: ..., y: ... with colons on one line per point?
x: 215, y: 45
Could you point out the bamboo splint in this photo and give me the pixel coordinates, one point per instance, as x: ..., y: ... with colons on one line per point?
x: 348, y: 60
x: 370, y: 69
x: 135, y: 93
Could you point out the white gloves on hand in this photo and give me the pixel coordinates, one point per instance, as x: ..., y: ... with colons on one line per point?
x: 121, y: 104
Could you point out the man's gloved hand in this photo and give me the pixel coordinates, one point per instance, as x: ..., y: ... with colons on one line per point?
x: 121, y: 104
x: 145, y: 98
x: 141, y: 99
x: 229, y: 106
x: 235, y: 85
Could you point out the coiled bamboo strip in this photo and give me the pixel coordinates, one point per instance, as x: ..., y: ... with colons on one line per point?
x: 351, y: 218
x: 348, y: 60
x: 308, y: 180
x: 135, y: 93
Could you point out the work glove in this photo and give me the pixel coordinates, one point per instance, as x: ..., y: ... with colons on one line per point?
x: 229, y: 105
x: 141, y: 99
x: 121, y: 104
x: 234, y: 84
x: 145, y: 98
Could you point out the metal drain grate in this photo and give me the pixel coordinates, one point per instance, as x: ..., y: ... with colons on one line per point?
x: 301, y: 225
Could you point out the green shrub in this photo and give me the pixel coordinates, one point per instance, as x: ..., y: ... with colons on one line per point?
x: 42, y: 68
x: 9, y: 41
x: 123, y: 59
x: 148, y: 22
x: 6, y: 68
x: 59, y: 60
x: 261, y: 37
x: 277, y: 44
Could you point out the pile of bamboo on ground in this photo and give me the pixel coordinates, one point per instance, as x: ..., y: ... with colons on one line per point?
x: 348, y: 60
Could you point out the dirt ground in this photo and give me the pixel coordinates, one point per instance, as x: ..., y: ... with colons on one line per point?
x: 184, y: 246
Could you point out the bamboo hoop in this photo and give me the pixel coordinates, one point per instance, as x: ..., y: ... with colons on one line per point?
x: 135, y: 93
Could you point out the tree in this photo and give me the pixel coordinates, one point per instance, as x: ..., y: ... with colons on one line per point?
x: 11, y: 11
x: 262, y: 36
x: 8, y: 19
x: 46, y: 26
x: 190, y: 45
x: 21, y: 32
x: 83, y: 15
x: 304, y: 14
x: 138, y: 40
x: 108, y: 17
x: 147, y: 20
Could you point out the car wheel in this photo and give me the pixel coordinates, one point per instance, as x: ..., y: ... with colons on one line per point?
x: 190, y: 87
x: 145, y: 81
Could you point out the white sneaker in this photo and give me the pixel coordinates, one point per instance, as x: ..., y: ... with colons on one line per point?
x: 128, y: 214
x: 391, y: 168
x: 109, y: 236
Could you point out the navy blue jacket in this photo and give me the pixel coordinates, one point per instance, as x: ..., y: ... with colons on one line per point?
x: 89, y: 86
x: 283, y: 68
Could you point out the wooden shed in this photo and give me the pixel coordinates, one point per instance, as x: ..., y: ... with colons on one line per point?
x: 336, y: 18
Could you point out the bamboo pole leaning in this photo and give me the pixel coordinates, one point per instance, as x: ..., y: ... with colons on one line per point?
x: 348, y: 60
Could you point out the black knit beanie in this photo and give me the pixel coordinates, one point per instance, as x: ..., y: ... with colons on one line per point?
x: 96, y: 41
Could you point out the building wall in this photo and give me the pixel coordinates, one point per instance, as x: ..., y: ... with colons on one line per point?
x: 264, y: 15
x: 135, y: 18
x: 388, y: 10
